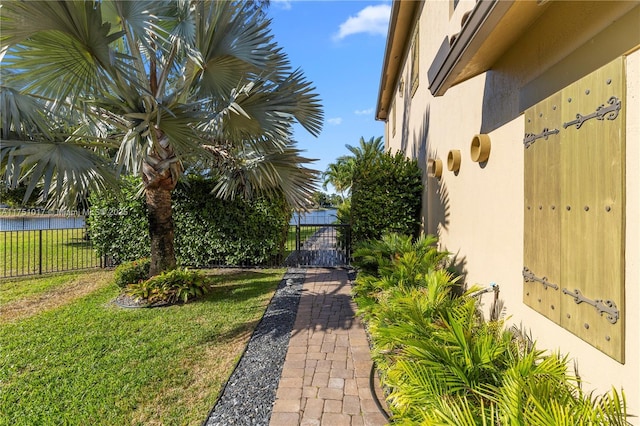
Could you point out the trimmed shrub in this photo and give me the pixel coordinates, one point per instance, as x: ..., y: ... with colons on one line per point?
x: 208, y: 231
x: 228, y: 232
x: 132, y: 272
x: 386, y: 197
x: 118, y: 225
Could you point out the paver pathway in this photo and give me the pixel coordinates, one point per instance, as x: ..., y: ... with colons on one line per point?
x: 325, y: 377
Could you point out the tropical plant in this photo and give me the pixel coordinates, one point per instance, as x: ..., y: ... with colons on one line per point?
x: 443, y: 364
x: 380, y: 257
x: 177, y: 285
x: 154, y: 88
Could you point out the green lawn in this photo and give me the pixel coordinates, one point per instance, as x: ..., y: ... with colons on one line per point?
x: 21, y: 288
x: 91, y: 362
x: 59, y: 250
x: 305, y: 232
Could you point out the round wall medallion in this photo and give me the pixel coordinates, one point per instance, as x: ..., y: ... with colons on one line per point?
x: 453, y: 160
x: 435, y: 167
x: 480, y: 148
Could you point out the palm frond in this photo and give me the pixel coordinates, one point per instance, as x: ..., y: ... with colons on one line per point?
x: 61, y: 48
x: 267, y: 172
x: 66, y: 171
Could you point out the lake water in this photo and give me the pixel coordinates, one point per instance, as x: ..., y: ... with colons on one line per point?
x: 314, y: 217
x: 33, y: 222
x: 27, y: 222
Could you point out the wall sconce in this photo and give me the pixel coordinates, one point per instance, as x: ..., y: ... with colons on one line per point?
x: 453, y: 160
x: 480, y: 148
x: 434, y: 167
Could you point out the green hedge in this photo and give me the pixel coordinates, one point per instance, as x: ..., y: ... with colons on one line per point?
x: 207, y: 230
x: 386, y: 197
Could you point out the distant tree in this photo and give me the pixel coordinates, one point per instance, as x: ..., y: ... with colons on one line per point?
x: 340, y: 173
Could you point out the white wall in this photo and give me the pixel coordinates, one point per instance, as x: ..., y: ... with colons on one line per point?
x: 478, y: 213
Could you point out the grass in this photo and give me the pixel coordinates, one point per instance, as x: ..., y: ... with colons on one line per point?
x: 305, y: 232
x: 21, y: 288
x: 90, y: 362
x: 61, y: 250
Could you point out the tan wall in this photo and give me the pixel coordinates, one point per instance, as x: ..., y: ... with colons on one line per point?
x: 478, y: 213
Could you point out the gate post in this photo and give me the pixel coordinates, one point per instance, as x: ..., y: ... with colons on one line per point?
x: 298, y: 244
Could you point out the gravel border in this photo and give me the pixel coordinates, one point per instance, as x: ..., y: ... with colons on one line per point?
x: 249, y: 395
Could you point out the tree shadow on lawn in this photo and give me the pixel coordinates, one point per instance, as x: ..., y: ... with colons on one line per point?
x: 275, y: 311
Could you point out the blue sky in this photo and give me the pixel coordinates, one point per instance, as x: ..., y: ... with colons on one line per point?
x: 340, y: 46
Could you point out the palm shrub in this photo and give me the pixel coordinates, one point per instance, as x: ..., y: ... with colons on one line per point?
x: 442, y: 363
x: 394, y: 260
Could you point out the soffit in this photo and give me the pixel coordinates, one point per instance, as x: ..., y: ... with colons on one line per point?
x: 401, y: 23
x: 490, y: 30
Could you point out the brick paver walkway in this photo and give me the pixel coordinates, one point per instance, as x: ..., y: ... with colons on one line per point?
x: 325, y: 377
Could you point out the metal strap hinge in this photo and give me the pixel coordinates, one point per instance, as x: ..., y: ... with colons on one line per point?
x: 531, y: 277
x: 609, y: 112
x: 606, y: 306
x: 530, y: 138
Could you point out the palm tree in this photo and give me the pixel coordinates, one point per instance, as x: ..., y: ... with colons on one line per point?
x: 340, y: 173
x: 151, y: 87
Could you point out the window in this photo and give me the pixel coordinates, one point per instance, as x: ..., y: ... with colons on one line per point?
x: 415, y: 62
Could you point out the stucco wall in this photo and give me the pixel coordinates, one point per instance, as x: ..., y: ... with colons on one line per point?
x: 478, y: 213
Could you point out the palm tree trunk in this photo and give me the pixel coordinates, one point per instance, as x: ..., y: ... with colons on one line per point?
x: 163, y: 256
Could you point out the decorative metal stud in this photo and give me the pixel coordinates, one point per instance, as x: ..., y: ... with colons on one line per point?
x: 608, y: 81
x: 568, y: 315
x: 569, y: 100
x: 586, y: 208
x: 607, y: 338
x: 586, y: 92
x: 586, y: 325
x: 608, y: 208
x: 568, y: 208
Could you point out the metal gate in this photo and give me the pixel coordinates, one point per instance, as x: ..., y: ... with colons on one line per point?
x: 321, y: 245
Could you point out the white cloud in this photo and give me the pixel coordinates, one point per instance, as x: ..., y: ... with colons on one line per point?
x: 335, y: 121
x: 372, y: 20
x: 282, y: 4
x: 368, y: 111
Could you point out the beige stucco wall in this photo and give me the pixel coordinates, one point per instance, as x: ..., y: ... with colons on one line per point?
x: 478, y: 213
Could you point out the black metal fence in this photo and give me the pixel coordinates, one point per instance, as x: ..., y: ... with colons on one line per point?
x: 35, y: 252
x: 321, y: 245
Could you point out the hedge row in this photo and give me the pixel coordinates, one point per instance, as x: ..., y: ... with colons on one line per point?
x: 208, y: 231
x: 386, y: 197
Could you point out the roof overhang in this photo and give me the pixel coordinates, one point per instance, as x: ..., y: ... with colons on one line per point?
x: 490, y: 29
x: 400, y: 26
